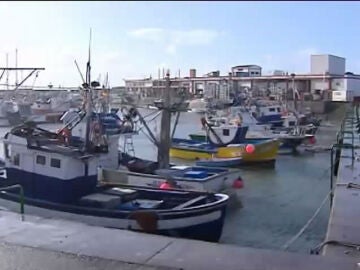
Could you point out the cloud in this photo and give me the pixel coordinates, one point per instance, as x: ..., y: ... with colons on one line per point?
x: 153, y: 34
x: 171, y: 40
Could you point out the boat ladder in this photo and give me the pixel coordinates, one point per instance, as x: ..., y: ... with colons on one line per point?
x: 129, y: 144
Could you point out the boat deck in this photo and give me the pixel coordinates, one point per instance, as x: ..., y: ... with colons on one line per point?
x: 37, y: 243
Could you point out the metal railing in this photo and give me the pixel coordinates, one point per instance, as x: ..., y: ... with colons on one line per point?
x: 21, y: 193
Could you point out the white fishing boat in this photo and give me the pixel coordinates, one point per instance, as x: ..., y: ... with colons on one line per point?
x: 198, y: 105
x: 9, y: 113
x: 58, y: 173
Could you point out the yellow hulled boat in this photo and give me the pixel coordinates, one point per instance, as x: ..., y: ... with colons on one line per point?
x: 261, y: 151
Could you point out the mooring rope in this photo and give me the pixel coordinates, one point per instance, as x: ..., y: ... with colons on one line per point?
x: 293, y: 239
x: 307, y: 224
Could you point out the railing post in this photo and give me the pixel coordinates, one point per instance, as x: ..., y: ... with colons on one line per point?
x: 21, y: 200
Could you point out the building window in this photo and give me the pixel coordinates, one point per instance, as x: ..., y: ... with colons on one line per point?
x: 56, y: 163
x: 40, y: 160
x: 17, y: 159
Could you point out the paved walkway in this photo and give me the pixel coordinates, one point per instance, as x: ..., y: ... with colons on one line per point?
x: 344, y: 223
x: 39, y: 243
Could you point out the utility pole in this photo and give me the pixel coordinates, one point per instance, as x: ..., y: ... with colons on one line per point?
x: 294, y: 93
x: 165, y: 140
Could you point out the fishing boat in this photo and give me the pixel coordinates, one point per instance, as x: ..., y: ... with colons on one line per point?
x: 58, y: 173
x: 268, y: 114
x: 198, y: 105
x: 224, y: 131
x: 264, y: 151
x: 197, y: 178
x: 9, y: 113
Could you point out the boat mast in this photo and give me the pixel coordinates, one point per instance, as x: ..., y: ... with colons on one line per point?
x: 16, y: 62
x: 165, y: 140
x: 7, y: 71
x: 88, y: 98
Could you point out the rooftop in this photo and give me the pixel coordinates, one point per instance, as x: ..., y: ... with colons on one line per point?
x: 246, y: 66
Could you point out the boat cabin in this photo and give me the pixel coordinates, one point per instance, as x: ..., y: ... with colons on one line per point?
x: 49, y: 168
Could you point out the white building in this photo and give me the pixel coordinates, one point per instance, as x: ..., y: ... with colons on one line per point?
x: 327, y: 80
x: 246, y: 71
x: 344, y: 86
x: 327, y: 64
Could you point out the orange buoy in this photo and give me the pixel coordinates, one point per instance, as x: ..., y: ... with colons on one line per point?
x: 250, y: 148
x: 238, y: 183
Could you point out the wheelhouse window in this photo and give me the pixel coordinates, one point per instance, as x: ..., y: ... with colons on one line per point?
x: 226, y: 132
x: 40, y: 160
x: 17, y: 159
x: 7, y: 151
x: 56, y: 163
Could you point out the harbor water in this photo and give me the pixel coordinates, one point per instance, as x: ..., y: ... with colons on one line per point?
x: 277, y: 202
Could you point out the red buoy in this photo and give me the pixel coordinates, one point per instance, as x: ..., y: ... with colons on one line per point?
x: 250, y: 148
x: 165, y: 185
x: 238, y: 183
x: 312, y: 140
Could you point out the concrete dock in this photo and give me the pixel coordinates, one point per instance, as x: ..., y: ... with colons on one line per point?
x: 344, y: 224
x: 37, y: 243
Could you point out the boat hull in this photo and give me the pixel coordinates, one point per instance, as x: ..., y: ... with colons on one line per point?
x: 213, y: 183
x: 220, y: 162
x: 189, y: 154
x: 201, y: 224
x: 198, y: 137
x: 264, y: 151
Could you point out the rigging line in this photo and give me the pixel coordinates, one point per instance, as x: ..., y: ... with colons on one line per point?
x: 152, y: 113
x: 151, y: 140
x: 152, y: 119
x: 149, y: 121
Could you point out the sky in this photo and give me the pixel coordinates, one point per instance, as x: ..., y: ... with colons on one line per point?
x: 133, y: 40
